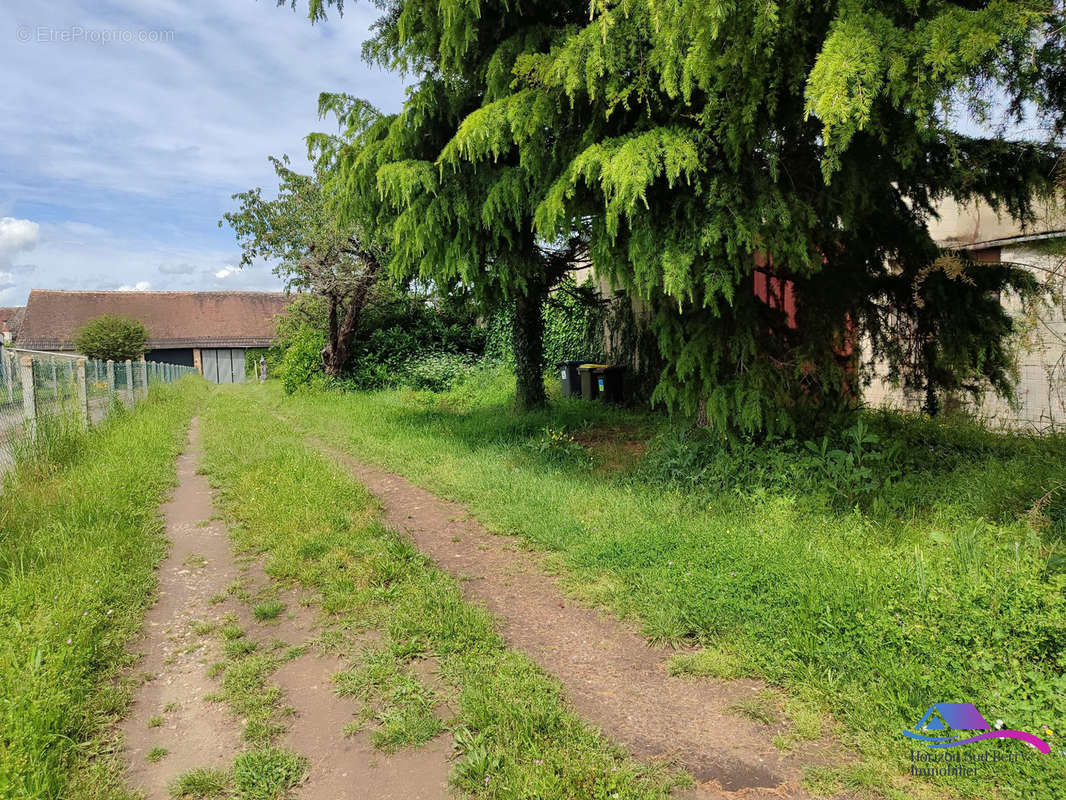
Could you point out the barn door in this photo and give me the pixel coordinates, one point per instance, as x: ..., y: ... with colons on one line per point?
x: 210, y: 363
x: 237, y: 360
x: 225, y: 366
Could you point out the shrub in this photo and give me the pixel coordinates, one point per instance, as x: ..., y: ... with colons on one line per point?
x: 848, y: 466
x: 437, y: 372
x: 111, y: 337
x: 398, y: 331
x: 301, y: 360
x: 558, y: 447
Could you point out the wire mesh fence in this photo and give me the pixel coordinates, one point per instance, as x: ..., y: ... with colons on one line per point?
x: 42, y: 392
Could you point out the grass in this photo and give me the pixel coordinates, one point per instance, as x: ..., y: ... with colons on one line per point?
x: 157, y: 754
x: 268, y: 610
x: 318, y: 529
x: 56, y: 441
x: 946, y: 583
x: 710, y: 662
x: 760, y: 707
x: 245, y: 686
x: 402, y: 706
x: 202, y: 784
x: 78, y: 543
x: 267, y: 774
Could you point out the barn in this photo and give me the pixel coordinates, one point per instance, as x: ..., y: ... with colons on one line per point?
x: 211, y: 331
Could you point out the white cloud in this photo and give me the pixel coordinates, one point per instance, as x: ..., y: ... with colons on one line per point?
x: 127, y: 153
x: 17, y: 235
x: 231, y: 86
x: 139, y: 286
x: 110, y: 261
x: 177, y: 269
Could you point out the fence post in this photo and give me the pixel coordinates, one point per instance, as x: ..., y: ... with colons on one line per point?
x: 29, y: 394
x: 142, y: 367
x: 9, y: 373
x: 72, y: 373
x: 110, y: 383
x: 129, y: 383
x: 82, y: 382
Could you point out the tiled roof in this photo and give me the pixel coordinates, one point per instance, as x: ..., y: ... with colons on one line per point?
x: 173, y: 319
x: 11, y: 317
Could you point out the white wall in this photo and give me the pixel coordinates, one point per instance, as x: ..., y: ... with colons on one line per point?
x: 1041, y: 387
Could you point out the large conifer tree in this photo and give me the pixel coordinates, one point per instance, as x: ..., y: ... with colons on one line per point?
x: 816, y: 135
x: 688, y: 141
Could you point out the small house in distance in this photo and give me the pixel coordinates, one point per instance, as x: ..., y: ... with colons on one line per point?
x: 207, y: 330
x: 10, y: 321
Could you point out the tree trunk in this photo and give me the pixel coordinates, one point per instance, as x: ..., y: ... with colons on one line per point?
x: 335, y: 353
x: 932, y: 402
x: 527, y: 332
x: 330, y: 361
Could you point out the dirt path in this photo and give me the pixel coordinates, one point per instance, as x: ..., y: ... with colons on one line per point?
x: 194, y: 732
x: 170, y: 711
x: 612, y: 677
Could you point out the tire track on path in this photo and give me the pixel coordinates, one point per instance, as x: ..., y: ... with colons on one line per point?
x: 613, y: 678
x: 194, y: 731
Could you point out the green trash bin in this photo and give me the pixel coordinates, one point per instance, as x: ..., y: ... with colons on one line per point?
x: 590, y: 386
x: 610, y: 384
x: 570, y: 377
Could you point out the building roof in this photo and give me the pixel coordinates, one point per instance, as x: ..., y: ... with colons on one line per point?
x: 11, y: 319
x: 173, y: 319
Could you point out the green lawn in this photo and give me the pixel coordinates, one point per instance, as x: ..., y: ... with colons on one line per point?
x: 317, y: 528
x: 79, y: 539
x: 947, y: 585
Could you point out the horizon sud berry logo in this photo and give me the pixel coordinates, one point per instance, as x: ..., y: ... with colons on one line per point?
x: 946, y: 726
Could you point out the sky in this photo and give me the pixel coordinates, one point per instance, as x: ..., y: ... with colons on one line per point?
x: 128, y: 124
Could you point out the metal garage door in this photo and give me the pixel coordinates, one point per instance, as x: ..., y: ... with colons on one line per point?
x: 223, y: 365
x: 236, y: 365
x: 210, y: 367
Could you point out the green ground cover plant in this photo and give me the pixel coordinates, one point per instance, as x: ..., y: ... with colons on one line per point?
x: 936, y: 575
x: 317, y: 528
x: 264, y: 773
x: 245, y: 671
x: 79, y: 538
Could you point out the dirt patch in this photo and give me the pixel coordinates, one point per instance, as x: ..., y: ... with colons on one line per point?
x: 613, y: 678
x: 349, y: 767
x: 617, y: 449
